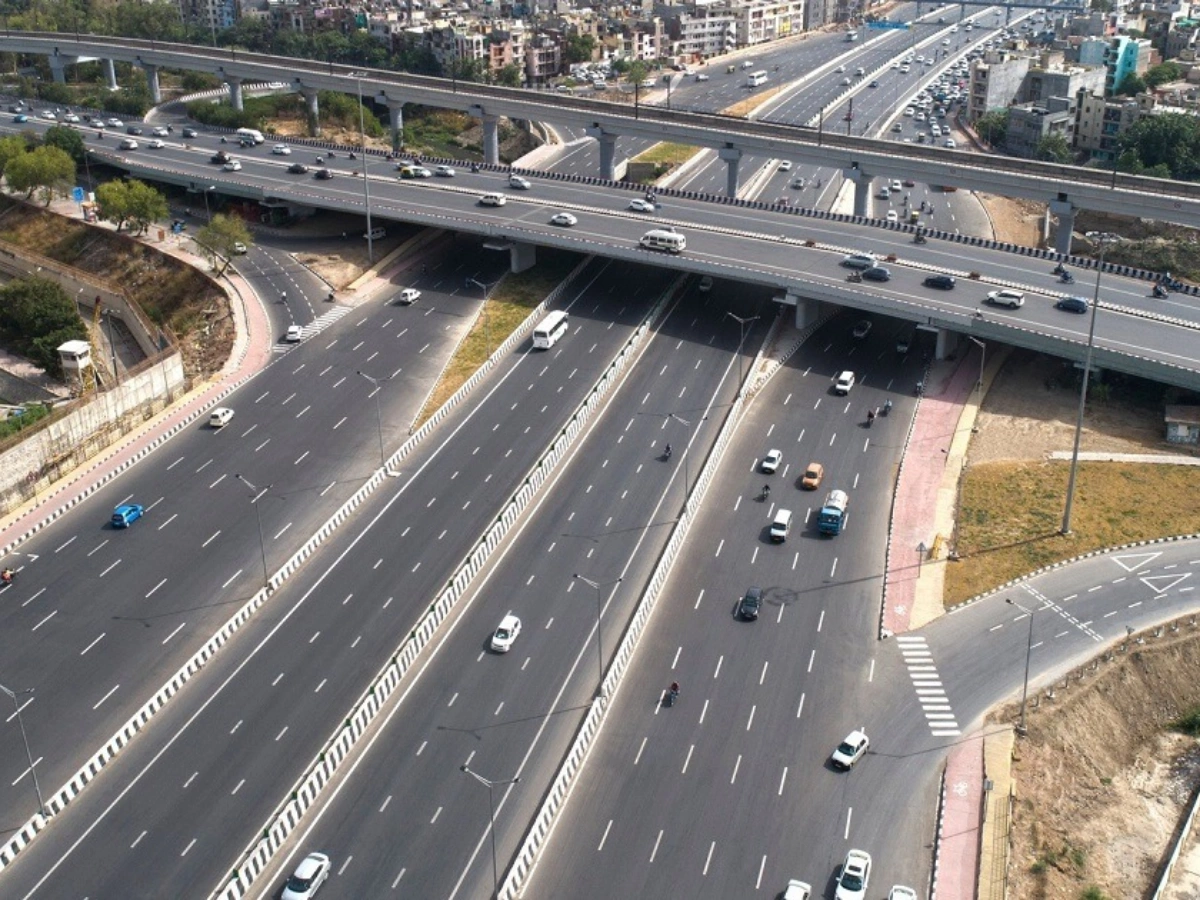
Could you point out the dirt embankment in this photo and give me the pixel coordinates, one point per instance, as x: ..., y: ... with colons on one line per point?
x: 171, y: 293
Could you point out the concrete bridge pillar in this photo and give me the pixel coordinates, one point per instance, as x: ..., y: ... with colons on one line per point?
x: 732, y: 156
x: 314, y: 111
x: 862, y: 189
x: 608, y: 151
x: 491, y: 134
x: 110, y: 75
x: 58, y: 68
x: 396, y: 120
x: 152, y: 83
x: 522, y: 257
x: 235, y: 91
x: 807, y: 309
x: 1065, y: 211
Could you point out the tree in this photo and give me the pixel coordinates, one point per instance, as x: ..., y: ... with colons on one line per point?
x: 1131, y: 85
x: 510, y: 76
x: 10, y: 147
x: 131, y: 201
x: 638, y: 71
x: 1163, y: 73
x: 579, y: 48
x: 66, y: 139
x: 1171, y: 140
x: 46, y: 168
x: 992, y: 126
x: 219, y: 236
x: 1053, y: 148
x: 36, y: 316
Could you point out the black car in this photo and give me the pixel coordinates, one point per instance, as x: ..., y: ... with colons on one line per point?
x: 941, y: 282
x: 220, y: 157
x: 324, y: 174
x: 750, y: 604
x: 298, y: 169
x: 877, y: 273
x: 133, y: 129
x: 1073, y: 304
x: 190, y: 133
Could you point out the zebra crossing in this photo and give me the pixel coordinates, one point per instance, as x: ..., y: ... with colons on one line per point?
x: 928, y: 684
x: 315, y: 327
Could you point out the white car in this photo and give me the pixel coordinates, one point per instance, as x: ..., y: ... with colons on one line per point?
x: 797, y: 890
x: 232, y: 166
x: 910, y: 111
x: 293, y: 334
x: 899, y: 892
x: 949, y: 144
x: 563, y: 218
x: 521, y: 184
x: 896, y: 185
x: 854, y: 877
x: 445, y: 172
x: 506, y: 634
x: 1011, y: 299
x: 71, y: 117
x: 859, y: 260
x: 492, y: 200
x: 845, y: 381
x: 639, y: 205
x: 408, y: 296
x: 785, y: 166
x: 281, y: 150
x: 48, y: 114
x: 840, y: 69
x: 156, y: 144
x: 239, y: 248
x: 129, y: 144
x: 220, y: 417
x: 307, y: 879
x: 160, y: 131
x: 771, y: 461
x: 421, y: 172
x: 850, y: 750
x: 701, y: 77
x: 114, y: 122
x: 892, y: 216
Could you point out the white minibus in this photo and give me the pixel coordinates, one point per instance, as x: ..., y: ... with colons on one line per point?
x: 661, y: 239
x: 547, y: 332
x: 754, y: 79
x: 252, y: 134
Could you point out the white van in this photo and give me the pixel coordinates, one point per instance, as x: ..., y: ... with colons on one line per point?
x: 492, y: 200
x: 250, y: 134
x: 661, y: 239
x: 547, y: 332
x: 781, y: 526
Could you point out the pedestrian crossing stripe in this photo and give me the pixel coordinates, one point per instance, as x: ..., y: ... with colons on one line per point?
x: 315, y: 327
x: 927, y: 685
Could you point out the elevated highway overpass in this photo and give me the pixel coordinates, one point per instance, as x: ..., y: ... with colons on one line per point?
x: 1066, y: 188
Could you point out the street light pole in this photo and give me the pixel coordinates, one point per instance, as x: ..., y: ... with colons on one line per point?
x: 362, y: 129
x: 489, y: 784
x: 25, y: 738
x: 742, y: 322
x: 686, y: 447
x: 1021, y: 729
x: 256, y: 495
x: 378, y: 413
x: 982, y: 359
x: 1087, y: 371
x: 597, y: 585
x: 487, y: 327
x: 207, y: 209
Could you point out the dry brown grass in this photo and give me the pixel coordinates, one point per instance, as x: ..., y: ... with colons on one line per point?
x: 1010, y: 514
x: 743, y: 108
x: 505, y: 310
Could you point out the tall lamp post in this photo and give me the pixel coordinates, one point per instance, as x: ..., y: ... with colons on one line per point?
x: 490, y: 785
x: 362, y: 129
x: 742, y: 323
x: 1087, y: 371
x: 686, y: 447
x: 255, y: 496
x: 25, y: 738
x: 487, y: 328
x: 1021, y: 729
x: 597, y: 585
x: 378, y: 413
x: 982, y: 359
x: 207, y: 208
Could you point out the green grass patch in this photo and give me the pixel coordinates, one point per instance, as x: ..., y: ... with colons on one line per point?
x: 666, y: 153
x: 505, y: 310
x: 31, y: 414
x: 1010, y: 515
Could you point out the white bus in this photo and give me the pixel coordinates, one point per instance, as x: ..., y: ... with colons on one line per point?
x: 754, y: 79
x: 547, y: 332
x: 251, y: 134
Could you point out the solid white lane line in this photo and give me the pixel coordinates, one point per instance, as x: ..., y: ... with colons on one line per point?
x: 691, y: 750
x: 604, y: 837
x: 657, y: 841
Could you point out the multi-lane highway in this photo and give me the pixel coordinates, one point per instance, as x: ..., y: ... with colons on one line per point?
x: 100, y: 617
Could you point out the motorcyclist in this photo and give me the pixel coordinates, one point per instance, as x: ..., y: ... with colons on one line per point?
x: 283, y: 296
x: 329, y: 298
x: 674, y: 689
x: 1066, y: 278
x: 854, y: 276
x: 1059, y: 268
x: 668, y: 451
x: 887, y: 406
x: 766, y: 491
x: 870, y: 415
x: 352, y: 155
x: 1160, y: 291
x: 6, y: 576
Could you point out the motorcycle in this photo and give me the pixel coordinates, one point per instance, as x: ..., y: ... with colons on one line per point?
x: 667, y: 452
x: 1160, y: 292
x: 474, y: 167
x: 887, y: 407
x: 855, y: 277
x: 7, y: 577
x: 766, y: 493
x: 920, y: 388
x: 1059, y: 269
x: 870, y: 417
x: 1066, y: 278
x: 672, y: 694
x: 329, y: 297
x: 919, y: 238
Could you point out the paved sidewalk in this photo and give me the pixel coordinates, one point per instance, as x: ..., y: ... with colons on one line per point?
x: 919, y: 490
x: 959, y: 832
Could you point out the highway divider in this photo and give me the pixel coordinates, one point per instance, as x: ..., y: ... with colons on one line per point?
x: 337, y: 749
x: 538, y: 833
x: 57, y: 801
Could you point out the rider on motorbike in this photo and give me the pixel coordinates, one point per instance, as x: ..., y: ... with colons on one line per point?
x: 6, y: 576
x: 668, y: 451
x: 766, y: 491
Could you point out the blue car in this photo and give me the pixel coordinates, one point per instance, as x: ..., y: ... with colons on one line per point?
x: 126, y: 514
x: 1073, y: 304
x: 21, y: 118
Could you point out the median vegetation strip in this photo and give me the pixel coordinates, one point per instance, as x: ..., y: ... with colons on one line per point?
x: 1010, y: 514
x: 505, y: 310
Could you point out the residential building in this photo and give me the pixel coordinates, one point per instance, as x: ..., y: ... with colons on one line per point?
x: 995, y: 81
x: 1042, y: 83
x: 698, y: 32
x: 760, y: 21
x: 1030, y: 123
x: 210, y: 14
x: 543, y: 58
x: 1126, y: 56
x: 1100, y: 122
